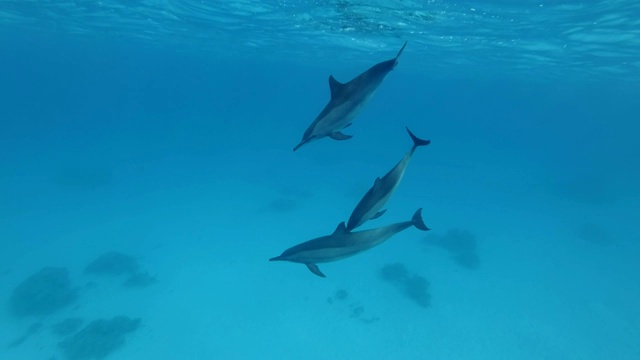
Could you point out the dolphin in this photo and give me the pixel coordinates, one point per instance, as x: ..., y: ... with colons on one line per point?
x: 372, y: 202
x: 346, y: 102
x: 343, y: 243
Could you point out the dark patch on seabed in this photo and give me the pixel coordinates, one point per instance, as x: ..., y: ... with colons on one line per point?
x: 115, y: 264
x: 99, y: 338
x: 33, y: 329
x: 67, y: 326
x: 43, y: 293
x: 288, y: 201
x: 49, y: 291
x: 460, y: 244
x: 354, y: 307
x: 112, y: 263
x: 590, y: 190
x: 413, y: 286
x: 281, y: 206
x: 594, y: 234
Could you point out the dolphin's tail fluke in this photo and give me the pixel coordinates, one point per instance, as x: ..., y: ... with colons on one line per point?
x: 395, y: 59
x: 401, y: 50
x: 417, y: 221
x: 417, y: 141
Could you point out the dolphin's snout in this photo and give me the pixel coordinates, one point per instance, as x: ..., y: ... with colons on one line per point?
x: 304, y: 141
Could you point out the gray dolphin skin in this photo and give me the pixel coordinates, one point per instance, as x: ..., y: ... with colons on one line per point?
x: 343, y: 243
x: 347, y: 100
x: 372, y: 202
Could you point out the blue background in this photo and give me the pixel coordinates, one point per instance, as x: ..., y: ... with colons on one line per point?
x: 176, y: 149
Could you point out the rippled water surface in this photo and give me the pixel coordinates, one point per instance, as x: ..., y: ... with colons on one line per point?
x: 549, y: 39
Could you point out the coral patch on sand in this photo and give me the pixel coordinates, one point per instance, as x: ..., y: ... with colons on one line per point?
x: 99, y: 338
x: 43, y: 293
x: 414, y: 286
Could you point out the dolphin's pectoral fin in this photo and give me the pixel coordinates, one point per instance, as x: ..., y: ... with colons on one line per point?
x: 340, y: 136
x: 378, y: 214
x: 315, y: 269
x: 334, y: 86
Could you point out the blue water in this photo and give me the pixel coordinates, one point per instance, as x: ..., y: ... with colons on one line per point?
x: 163, y: 130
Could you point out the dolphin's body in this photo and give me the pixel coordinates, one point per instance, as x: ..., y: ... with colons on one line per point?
x: 343, y: 243
x: 372, y: 202
x: 346, y: 102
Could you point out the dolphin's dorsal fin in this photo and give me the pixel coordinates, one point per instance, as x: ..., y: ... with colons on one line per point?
x: 376, y: 182
x: 341, y: 229
x: 334, y: 86
x: 315, y: 269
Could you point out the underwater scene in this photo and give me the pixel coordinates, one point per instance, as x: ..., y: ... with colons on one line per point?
x: 329, y: 179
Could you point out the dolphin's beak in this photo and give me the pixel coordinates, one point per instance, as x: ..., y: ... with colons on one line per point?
x: 304, y: 141
x: 277, y: 258
x: 301, y: 143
